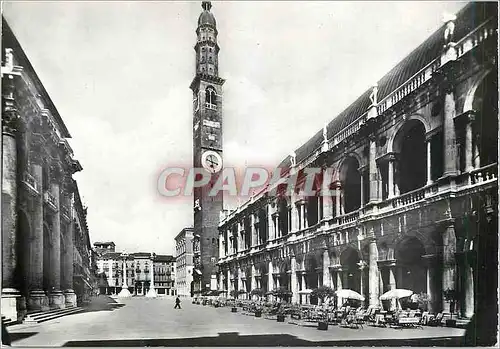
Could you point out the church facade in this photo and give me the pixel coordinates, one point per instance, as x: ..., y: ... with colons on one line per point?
x: 415, y: 187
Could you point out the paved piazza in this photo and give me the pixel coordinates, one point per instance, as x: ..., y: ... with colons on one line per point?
x: 154, y: 322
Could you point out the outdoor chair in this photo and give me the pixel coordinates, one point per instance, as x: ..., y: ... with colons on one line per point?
x: 435, y: 320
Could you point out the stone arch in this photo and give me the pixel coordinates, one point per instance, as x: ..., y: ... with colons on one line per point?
x: 283, y: 214
x: 398, y: 127
x: 469, y: 97
x: 350, y: 178
x: 341, y: 163
x: 348, y: 254
x: 409, y: 142
x: 411, y: 269
x: 334, y: 258
x: 485, y: 103
x: 426, y: 241
x: 349, y: 259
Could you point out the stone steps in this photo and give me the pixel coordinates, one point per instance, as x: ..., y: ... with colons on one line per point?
x: 38, y: 317
x: 8, y: 322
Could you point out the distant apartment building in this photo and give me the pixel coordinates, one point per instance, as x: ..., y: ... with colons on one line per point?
x: 187, y: 253
x: 164, y: 274
x: 135, y: 270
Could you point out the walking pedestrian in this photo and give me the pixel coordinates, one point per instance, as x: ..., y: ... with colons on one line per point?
x: 177, y: 303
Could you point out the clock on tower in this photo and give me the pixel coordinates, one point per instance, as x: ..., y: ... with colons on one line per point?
x: 207, y: 145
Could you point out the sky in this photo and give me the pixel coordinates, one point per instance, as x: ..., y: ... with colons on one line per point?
x: 119, y: 75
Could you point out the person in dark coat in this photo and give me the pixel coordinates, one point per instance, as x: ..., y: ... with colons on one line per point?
x: 177, y: 303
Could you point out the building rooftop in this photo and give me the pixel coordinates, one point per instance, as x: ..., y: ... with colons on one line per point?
x: 183, y: 232
x: 164, y: 258
x: 9, y: 40
x: 467, y: 19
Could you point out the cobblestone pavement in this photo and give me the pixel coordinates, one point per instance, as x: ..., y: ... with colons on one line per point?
x: 154, y: 322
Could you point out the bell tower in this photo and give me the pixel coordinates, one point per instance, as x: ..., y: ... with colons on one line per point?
x: 207, y: 146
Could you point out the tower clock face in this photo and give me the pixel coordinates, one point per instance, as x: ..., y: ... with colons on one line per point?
x: 211, y: 161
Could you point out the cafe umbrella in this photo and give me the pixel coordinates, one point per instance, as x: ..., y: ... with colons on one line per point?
x: 396, y: 293
x: 349, y: 294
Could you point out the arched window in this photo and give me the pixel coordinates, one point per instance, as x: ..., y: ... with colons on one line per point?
x: 210, y: 98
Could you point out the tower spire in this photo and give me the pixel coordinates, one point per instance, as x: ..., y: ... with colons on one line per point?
x: 206, y: 5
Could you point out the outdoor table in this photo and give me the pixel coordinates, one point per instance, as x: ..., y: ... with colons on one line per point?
x: 379, y: 319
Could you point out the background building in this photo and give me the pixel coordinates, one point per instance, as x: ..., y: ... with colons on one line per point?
x: 140, y: 269
x: 84, y: 262
x: 44, y: 228
x: 164, y: 275
x: 414, y: 201
x: 184, y: 256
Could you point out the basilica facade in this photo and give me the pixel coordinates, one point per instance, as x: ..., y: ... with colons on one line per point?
x: 46, y: 255
x: 415, y: 187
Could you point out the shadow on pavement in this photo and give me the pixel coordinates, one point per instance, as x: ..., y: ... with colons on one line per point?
x: 102, y: 303
x: 16, y: 336
x: 233, y: 339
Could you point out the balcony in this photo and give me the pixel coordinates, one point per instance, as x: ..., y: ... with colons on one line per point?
x: 210, y: 106
x: 50, y: 200
x: 65, y: 211
x: 30, y: 182
x: 484, y: 174
x: 462, y: 184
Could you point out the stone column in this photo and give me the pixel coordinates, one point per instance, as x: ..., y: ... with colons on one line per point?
x: 433, y: 290
x: 339, y: 286
x: 449, y: 249
x: 362, y: 184
x: 477, y: 154
x: 327, y: 201
x: 361, y: 267
x: 338, y: 191
x: 326, y: 268
x: 428, y: 143
x: 276, y: 226
x: 37, y: 299
x: 469, y: 166
x: 10, y: 294
x: 253, y: 239
x: 270, y: 224
x: 295, y: 215
x: 270, y: 280
x: 373, y: 172
x: 449, y: 134
x: 253, y: 281
x: 373, y: 273
x: 305, y: 223
x: 392, y: 283
x: 56, y: 297
x: 69, y: 293
x: 468, y: 310
x: 390, y: 176
x: 293, y: 280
